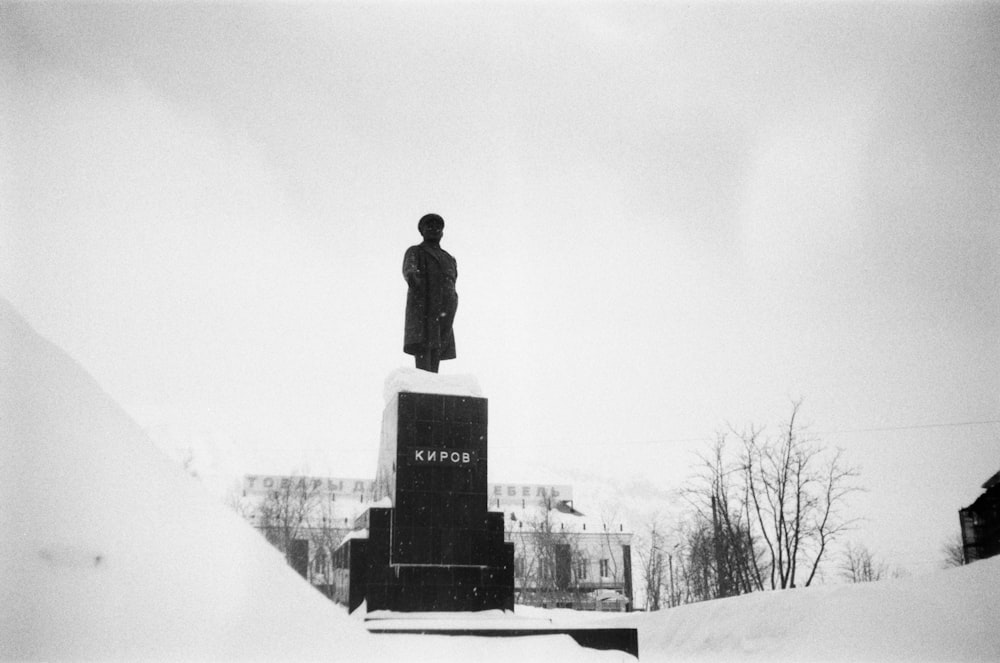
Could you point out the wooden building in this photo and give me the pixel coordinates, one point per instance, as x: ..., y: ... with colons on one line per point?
x: 981, y: 523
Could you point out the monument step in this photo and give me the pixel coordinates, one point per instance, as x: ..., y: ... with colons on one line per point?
x: 505, y: 626
x: 496, y: 623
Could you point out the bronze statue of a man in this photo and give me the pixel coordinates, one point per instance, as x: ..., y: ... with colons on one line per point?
x: 431, y: 300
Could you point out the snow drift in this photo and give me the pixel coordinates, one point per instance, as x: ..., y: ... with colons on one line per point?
x: 110, y: 552
x: 944, y: 616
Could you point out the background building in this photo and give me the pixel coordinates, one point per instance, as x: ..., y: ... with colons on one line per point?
x: 562, y: 557
x: 981, y: 523
x: 305, y: 517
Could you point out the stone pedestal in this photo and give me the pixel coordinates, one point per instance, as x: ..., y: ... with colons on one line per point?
x: 433, y: 546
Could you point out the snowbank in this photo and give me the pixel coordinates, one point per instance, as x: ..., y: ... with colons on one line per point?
x: 944, y: 616
x: 110, y: 552
x: 423, y: 382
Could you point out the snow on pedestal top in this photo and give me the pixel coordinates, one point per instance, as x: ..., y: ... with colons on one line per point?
x: 422, y: 382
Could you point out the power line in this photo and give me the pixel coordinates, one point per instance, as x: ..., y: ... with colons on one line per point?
x: 954, y: 424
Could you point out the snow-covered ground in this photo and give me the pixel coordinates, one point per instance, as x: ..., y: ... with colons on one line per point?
x: 109, y: 551
x: 949, y: 615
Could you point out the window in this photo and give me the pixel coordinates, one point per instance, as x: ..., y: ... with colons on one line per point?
x: 581, y: 568
x: 564, y: 565
x: 546, y: 568
x: 605, y: 568
x: 319, y: 561
x: 519, y: 567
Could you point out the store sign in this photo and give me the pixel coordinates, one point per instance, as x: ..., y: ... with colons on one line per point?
x: 256, y: 483
x: 506, y: 492
x: 530, y: 492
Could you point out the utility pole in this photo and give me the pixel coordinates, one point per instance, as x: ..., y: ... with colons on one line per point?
x: 670, y: 562
x: 721, y: 583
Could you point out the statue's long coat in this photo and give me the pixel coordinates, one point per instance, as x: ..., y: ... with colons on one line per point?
x: 431, y: 302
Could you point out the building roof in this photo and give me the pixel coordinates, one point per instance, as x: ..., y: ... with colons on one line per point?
x: 562, y: 515
x: 992, y: 481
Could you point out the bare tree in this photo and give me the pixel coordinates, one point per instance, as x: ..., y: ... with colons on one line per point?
x: 704, y: 561
x: 953, y: 552
x: 326, y: 533
x: 698, y: 566
x: 763, y: 516
x: 796, y: 491
x: 236, y: 500
x: 721, y: 528
x: 609, y: 515
x: 651, y: 555
x: 286, y: 512
x: 548, y: 553
x: 860, y: 565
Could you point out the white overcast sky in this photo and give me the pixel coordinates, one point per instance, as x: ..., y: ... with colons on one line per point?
x: 668, y: 217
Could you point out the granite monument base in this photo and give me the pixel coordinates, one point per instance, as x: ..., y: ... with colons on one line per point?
x: 428, y: 546
x: 434, y: 546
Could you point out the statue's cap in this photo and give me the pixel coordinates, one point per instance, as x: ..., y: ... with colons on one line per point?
x: 430, y: 218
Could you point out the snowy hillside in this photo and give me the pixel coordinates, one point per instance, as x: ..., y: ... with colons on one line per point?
x: 110, y: 552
